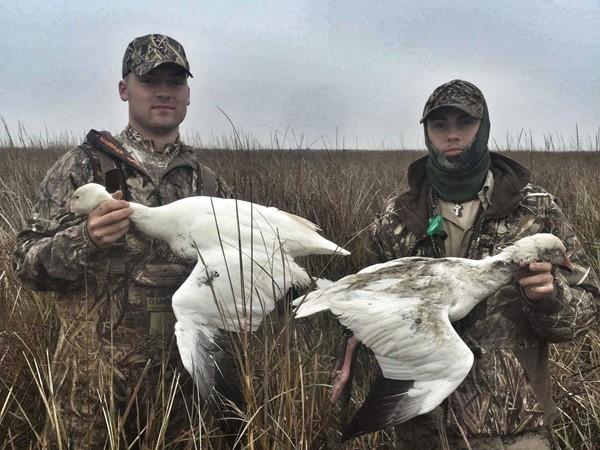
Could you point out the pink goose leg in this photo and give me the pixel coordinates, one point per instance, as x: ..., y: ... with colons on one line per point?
x: 342, y: 368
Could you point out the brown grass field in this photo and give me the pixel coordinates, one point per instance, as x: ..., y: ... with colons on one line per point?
x: 285, y: 366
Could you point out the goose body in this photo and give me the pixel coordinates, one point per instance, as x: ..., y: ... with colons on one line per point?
x: 203, y: 222
x: 244, y: 254
x: 402, y: 310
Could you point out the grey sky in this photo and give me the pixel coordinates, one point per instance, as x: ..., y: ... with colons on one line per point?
x: 365, y: 68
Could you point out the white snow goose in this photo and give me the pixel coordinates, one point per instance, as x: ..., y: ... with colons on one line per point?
x: 402, y: 310
x: 245, y: 262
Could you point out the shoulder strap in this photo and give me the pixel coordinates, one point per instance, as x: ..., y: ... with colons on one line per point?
x: 103, y: 141
x: 105, y: 168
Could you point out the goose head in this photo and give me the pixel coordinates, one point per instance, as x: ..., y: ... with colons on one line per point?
x: 544, y: 247
x: 88, y: 197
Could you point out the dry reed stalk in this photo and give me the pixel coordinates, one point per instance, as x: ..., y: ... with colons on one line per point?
x: 285, y: 365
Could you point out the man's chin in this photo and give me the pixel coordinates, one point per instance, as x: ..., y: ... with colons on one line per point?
x: 454, y: 157
x: 453, y: 162
x: 164, y: 127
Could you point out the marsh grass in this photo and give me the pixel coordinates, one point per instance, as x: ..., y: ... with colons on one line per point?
x: 284, y: 367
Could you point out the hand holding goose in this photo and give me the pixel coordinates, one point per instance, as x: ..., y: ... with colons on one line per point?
x: 536, y: 280
x: 403, y: 309
x: 109, y: 221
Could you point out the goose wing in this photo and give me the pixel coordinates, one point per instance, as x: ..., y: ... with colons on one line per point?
x: 411, y: 337
x: 422, y: 358
x: 429, y: 363
x: 232, y: 290
x: 399, y: 309
x: 227, y: 290
x: 196, y: 345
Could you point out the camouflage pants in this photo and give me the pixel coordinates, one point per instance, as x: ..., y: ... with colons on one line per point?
x: 128, y: 402
x: 527, y: 441
x: 99, y: 403
x: 117, y: 379
x: 421, y: 433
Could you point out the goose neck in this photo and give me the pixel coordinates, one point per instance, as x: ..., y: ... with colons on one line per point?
x: 485, y: 278
x: 147, y: 220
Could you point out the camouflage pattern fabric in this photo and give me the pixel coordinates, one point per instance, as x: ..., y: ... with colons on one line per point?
x: 146, y: 53
x: 527, y: 441
x: 507, y: 333
x: 113, y: 305
x: 459, y: 94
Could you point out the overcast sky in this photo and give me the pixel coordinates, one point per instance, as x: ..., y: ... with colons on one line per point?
x: 310, y: 66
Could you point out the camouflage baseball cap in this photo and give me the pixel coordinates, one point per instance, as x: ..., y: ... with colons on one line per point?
x: 148, y: 52
x: 459, y: 94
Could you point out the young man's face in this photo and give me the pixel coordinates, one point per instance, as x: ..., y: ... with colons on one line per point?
x: 158, y: 101
x: 451, y: 130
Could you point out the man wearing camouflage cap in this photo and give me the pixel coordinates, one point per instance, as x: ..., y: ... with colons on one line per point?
x: 465, y: 201
x: 114, y: 285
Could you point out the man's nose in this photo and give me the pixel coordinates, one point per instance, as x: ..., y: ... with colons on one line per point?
x: 453, y: 135
x: 163, y: 92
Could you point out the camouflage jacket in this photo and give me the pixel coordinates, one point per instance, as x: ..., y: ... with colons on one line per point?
x: 53, y: 253
x: 508, y: 334
x: 106, y: 289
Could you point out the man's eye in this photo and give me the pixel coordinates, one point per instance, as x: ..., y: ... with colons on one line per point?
x: 149, y: 81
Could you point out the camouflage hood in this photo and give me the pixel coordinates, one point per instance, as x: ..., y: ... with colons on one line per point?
x: 459, y: 178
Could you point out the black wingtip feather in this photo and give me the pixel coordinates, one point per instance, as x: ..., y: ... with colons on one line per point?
x: 386, y: 405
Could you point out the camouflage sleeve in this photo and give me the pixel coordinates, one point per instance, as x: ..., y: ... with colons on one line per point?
x: 573, y: 310
x: 223, y: 189
x: 390, y: 239
x: 53, y: 249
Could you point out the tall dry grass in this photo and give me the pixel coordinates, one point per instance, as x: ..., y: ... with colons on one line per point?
x: 284, y: 368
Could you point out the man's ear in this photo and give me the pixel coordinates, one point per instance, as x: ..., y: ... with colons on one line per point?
x: 188, y: 96
x: 123, y: 90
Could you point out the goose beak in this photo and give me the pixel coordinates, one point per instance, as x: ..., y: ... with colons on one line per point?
x: 566, y: 264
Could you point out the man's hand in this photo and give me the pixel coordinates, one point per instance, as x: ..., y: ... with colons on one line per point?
x: 536, y: 280
x: 109, y: 221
